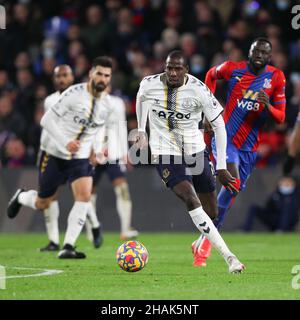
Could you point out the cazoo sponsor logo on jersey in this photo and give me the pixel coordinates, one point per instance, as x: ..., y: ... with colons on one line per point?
x: 249, y: 102
x: 171, y: 114
x: 84, y: 122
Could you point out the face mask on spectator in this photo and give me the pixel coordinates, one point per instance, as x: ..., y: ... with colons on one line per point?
x: 286, y: 190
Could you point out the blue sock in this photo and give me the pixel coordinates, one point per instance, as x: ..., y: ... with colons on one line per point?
x: 225, y: 201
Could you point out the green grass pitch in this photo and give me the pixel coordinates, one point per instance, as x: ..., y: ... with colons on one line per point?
x: 269, y: 260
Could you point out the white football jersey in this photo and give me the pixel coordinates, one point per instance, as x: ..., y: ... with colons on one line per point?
x: 174, y: 114
x: 50, y: 101
x: 117, y: 141
x: 79, y: 117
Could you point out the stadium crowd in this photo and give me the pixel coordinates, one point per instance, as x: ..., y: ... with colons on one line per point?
x: 138, y: 34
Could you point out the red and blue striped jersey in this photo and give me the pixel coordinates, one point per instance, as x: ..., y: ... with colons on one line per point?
x: 244, y: 116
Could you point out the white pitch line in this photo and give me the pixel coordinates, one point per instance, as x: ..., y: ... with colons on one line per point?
x: 46, y: 272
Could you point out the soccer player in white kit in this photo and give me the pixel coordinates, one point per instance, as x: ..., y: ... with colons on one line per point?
x: 62, y: 79
x: 116, y: 150
x: 73, y: 124
x: 174, y: 103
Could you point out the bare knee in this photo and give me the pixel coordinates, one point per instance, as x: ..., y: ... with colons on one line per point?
x: 83, y: 196
x: 43, y: 204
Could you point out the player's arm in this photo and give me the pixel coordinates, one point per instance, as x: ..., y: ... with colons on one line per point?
x: 222, y: 71
x: 277, y: 110
x: 213, y: 113
x: 118, y: 126
x: 142, y: 115
x: 99, y: 151
x: 51, y: 118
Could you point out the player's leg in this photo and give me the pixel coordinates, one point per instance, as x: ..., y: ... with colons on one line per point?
x: 205, y: 185
x: 116, y: 173
x: 50, y: 178
x: 80, y: 176
x: 225, y: 200
x: 186, y: 192
x: 175, y: 177
x: 225, y: 197
x: 51, y: 215
x: 92, y: 225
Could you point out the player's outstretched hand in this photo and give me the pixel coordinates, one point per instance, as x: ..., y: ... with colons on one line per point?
x: 141, y: 140
x: 73, y: 146
x: 228, y: 181
x: 263, y: 98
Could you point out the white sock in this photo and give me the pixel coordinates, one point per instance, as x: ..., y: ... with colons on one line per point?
x: 92, y: 215
x: 51, y: 218
x: 76, y: 221
x: 28, y: 198
x: 124, y: 206
x: 203, y: 222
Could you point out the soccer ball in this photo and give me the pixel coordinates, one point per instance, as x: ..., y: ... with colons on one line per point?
x: 132, y: 256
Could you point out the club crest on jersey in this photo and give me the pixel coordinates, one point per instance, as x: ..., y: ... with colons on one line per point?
x: 166, y: 173
x: 188, y: 103
x: 267, y: 84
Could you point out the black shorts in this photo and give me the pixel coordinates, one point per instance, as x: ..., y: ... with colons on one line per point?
x: 172, y: 173
x: 113, y: 170
x: 54, y: 172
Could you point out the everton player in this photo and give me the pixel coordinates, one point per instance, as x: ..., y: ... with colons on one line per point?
x: 174, y: 103
x: 62, y: 79
x: 73, y: 124
x: 116, y: 148
x: 256, y: 91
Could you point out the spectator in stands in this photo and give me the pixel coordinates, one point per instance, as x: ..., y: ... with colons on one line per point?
x: 281, y: 211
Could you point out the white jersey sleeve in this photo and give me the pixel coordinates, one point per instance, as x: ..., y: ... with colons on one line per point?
x: 78, y: 116
x: 117, y: 140
x: 51, y: 100
x: 63, y: 104
x: 212, y: 110
x: 211, y: 106
x: 142, y: 109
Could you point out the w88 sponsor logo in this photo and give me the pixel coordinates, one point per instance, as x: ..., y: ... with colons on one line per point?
x: 250, y: 105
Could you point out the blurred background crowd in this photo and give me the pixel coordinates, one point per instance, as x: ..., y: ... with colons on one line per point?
x: 138, y: 34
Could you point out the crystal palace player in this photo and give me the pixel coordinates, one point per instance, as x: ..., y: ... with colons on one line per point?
x: 256, y: 91
x: 175, y: 102
x: 73, y: 124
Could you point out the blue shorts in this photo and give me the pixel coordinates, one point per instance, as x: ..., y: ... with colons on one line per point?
x: 244, y: 160
x: 172, y: 173
x: 113, y: 170
x: 54, y: 172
